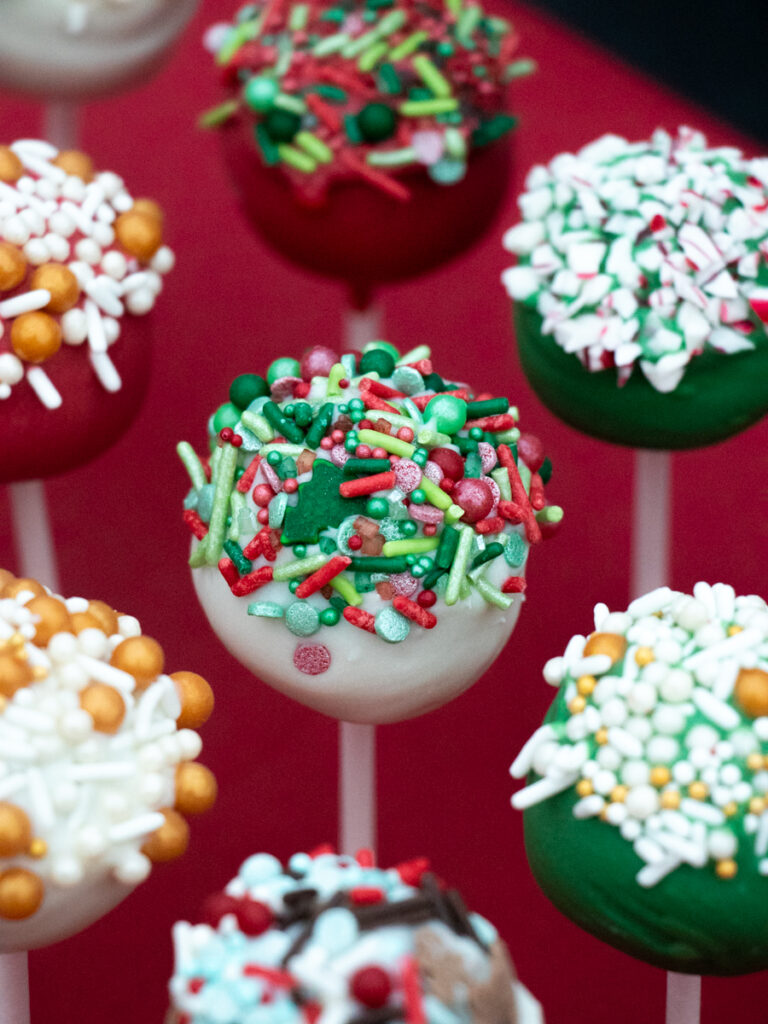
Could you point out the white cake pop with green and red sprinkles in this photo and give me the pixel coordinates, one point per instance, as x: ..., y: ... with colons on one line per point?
x: 651, y: 769
x: 361, y: 529
x: 330, y: 939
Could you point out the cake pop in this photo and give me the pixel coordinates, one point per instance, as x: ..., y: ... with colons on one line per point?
x: 645, y: 809
x: 336, y: 938
x: 97, y: 769
x: 641, y: 290
x: 362, y: 138
x: 362, y: 527
x: 82, y: 49
x: 80, y: 261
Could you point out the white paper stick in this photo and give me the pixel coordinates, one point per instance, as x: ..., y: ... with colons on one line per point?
x: 35, y: 553
x: 14, y: 989
x: 61, y: 123
x: 357, y: 787
x: 651, y: 521
x: 362, y: 326
x: 683, y: 998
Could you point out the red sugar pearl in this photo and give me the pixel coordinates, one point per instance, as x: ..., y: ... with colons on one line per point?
x: 405, y: 434
x: 343, y: 383
x: 379, y: 453
x: 355, y: 542
x: 426, y: 598
x: 446, y: 484
x: 226, y: 433
x: 363, y: 451
x: 337, y: 436
x: 262, y: 495
x: 236, y: 440
x: 217, y: 906
x: 365, y: 425
x: 253, y: 917
x: 326, y: 443
x: 371, y: 986
x: 430, y: 530
x: 263, y: 516
x: 291, y: 485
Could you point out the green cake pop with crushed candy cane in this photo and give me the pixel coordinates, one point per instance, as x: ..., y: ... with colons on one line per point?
x: 646, y: 809
x: 641, y: 289
x: 361, y: 527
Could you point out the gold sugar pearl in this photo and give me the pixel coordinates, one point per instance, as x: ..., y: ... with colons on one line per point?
x: 196, y: 698
x: 35, y: 337
x: 105, y: 705
x: 586, y: 685
x: 698, y: 790
x: 13, y: 266
x: 734, y: 630
x: 659, y: 776
x: 150, y: 208
x: 6, y: 577
x: 196, y: 788
x: 169, y: 841
x: 755, y: 762
x: 140, y: 234
x: 751, y: 691
x: 76, y: 163
x: 15, y: 586
x: 577, y: 705
x: 140, y: 656
x: 21, y: 893
x: 584, y: 787
x: 15, y: 830
x: 756, y: 805
x: 15, y: 673
x: 601, y: 736
x: 730, y: 809
x: 670, y: 800
x: 54, y: 618
x: 38, y: 848
x: 84, y: 620
x: 644, y: 656
x: 619, y: 794
x: 60, y: 282
x: 612, y: 644
x: 107, y: 616
x: 726, y: 868
x: 11, y: 168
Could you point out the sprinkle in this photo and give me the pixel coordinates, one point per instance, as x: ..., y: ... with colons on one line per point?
x: 414, y: 546
x: 246, y: 480
x: 391, y: 626
x: 492, y: 594
x: 360, y: 618
x: 322, y: 576
x: 391, y: 444
x: 413, y: 611
x: 299, y: 567
x: 514, y: 585
x: 247, y: 584
x: 344, y: 588
x: 195, y: 524
x: 459, y: 566
x: 266, y: 609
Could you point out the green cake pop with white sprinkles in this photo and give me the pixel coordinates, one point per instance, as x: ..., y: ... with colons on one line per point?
x: 651, y: 770
x: 361, y: 529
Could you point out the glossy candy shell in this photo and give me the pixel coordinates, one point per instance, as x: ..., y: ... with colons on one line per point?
x: 718, y: 396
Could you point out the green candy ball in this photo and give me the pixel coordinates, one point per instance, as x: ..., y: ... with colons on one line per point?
x: 377, y: 122
x: 283, y: 367
x: 260, y: 92
x: 281, y: 126
x: 376, y: 508
x: 378, y: 361
x: 329, y: 616
x: 227, y: 415
x: 448, y: 412
x: 246, y: 389
x: 382, y: 346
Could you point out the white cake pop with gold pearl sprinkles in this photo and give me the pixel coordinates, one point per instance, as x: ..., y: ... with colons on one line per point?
x: 646, y: 809
x: 97, y: 761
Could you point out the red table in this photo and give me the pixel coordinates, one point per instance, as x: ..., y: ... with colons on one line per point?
x: 231, y: 306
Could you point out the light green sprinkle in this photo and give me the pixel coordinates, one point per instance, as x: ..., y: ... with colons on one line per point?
x: 409, y: 45
x: 346, y: 589
x: 492, y: 594
x: 392, y: 157
x: 266, y: 609
x: 302, y: 618
x: 297, y: 19
x: 391, y: 23
x: 314, y: 146
x: 199, y: 556
x: 258, y: 425
x: 453, y: 514
x: 525, y: 475
x: 468, y: 22
x: 371, y: 57
x: 435, y: 495
x: 288, y: 451
x: 337, y: 373
x: 394, y: 445
x: 431, y: 76
x: 455, y: 143
x: 277, y: 509
x: 348, y: 362
x: 501, y: 476
x: 240, y: 34
x: 415, y: 355
x: 394, y: 419
x: 391, y: 626
x: 295, y: 158
x: 237, y: 505
x: 225, y: 478
x: 519, y: 69
x: 459, y: 565
x: 410, y: 546
x: 511, y: 436
x: 331, y: 44
x: 454, y: 6
x: 357, y: 46
x: 427, y: 108
x: 300, y: 567
x: 550, y: 514
x: 192, y: 464
x: 431, y: 438
x: 218, y: 115
x: 291, y: 103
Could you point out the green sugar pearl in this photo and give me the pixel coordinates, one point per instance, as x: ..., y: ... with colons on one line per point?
x: 378, y: 360
x: 260, y: 92
x: 449, y: 413
x: 283, y: 367
x: 227, y: 415
x: 330, y: 616
x: 281, y: 126
x: 377, y: 508
x: 377, y: 122
x: 246, y: 389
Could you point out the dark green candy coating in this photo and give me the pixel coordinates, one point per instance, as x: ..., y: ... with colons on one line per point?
x: 377, y: 360
x: 718, y: 396
x: 377, y: 122
x: 282, y: 125
x: 692, y: 921
x: 247, y: 388
x: 227, y: 415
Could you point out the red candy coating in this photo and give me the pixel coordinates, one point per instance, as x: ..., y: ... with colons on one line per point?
x: 371, y: 986
x: 475, y: 497
x: 253, y: 917
x: 531, y: 451
x: 449, y: 461
x: 216, y: 906
x: 317, y: 362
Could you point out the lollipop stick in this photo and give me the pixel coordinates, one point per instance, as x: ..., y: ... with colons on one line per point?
x: 357, y: 786
x: 14, y: 989
x: 361, y: 326
x: 683, y: 998
x: 651, y: 521
x: 61, y: 124
x: 32, y: 533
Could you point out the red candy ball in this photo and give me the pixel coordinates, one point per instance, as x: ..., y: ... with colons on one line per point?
x: 217, y: 906
x: 475, y: 497
x: 253, y: 917
x: 262, y: 495
x: 317, y: 362
x: 531, y: 451
x: 371, y: 986
x: 449, y: 461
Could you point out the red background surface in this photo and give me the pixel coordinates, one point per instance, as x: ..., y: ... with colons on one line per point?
x: 232, y: 306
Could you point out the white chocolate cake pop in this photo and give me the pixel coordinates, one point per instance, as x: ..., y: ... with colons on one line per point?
x: 97, y: 769
x: 363, y: 528
x: 77, y: 49
x: 331, y: 938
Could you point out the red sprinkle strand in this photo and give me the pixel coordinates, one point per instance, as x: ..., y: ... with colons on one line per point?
x: 413, y: 611
x: 324, y: 111
x: 493, y: 424
x: 422, y: 401
x: 360, y: 618
x: 363, y: 895
x: 414, y: 1006
x: 194, y: 523
x: 538, y: 501
x: 380, y: 390
x: 367, y: 485
x: 252, y: 581
x: 324, y: 575
x: 493, y: 525
x: 245, y: 481
x: 320, y: 849
x: 519, y: 496
x: 411, y: 870
x: 514, y: 585
x: 372, y: 402
x: 283, y: 979
x: 228, y: 571
x: 382, y: 181
x: 366, y: 858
